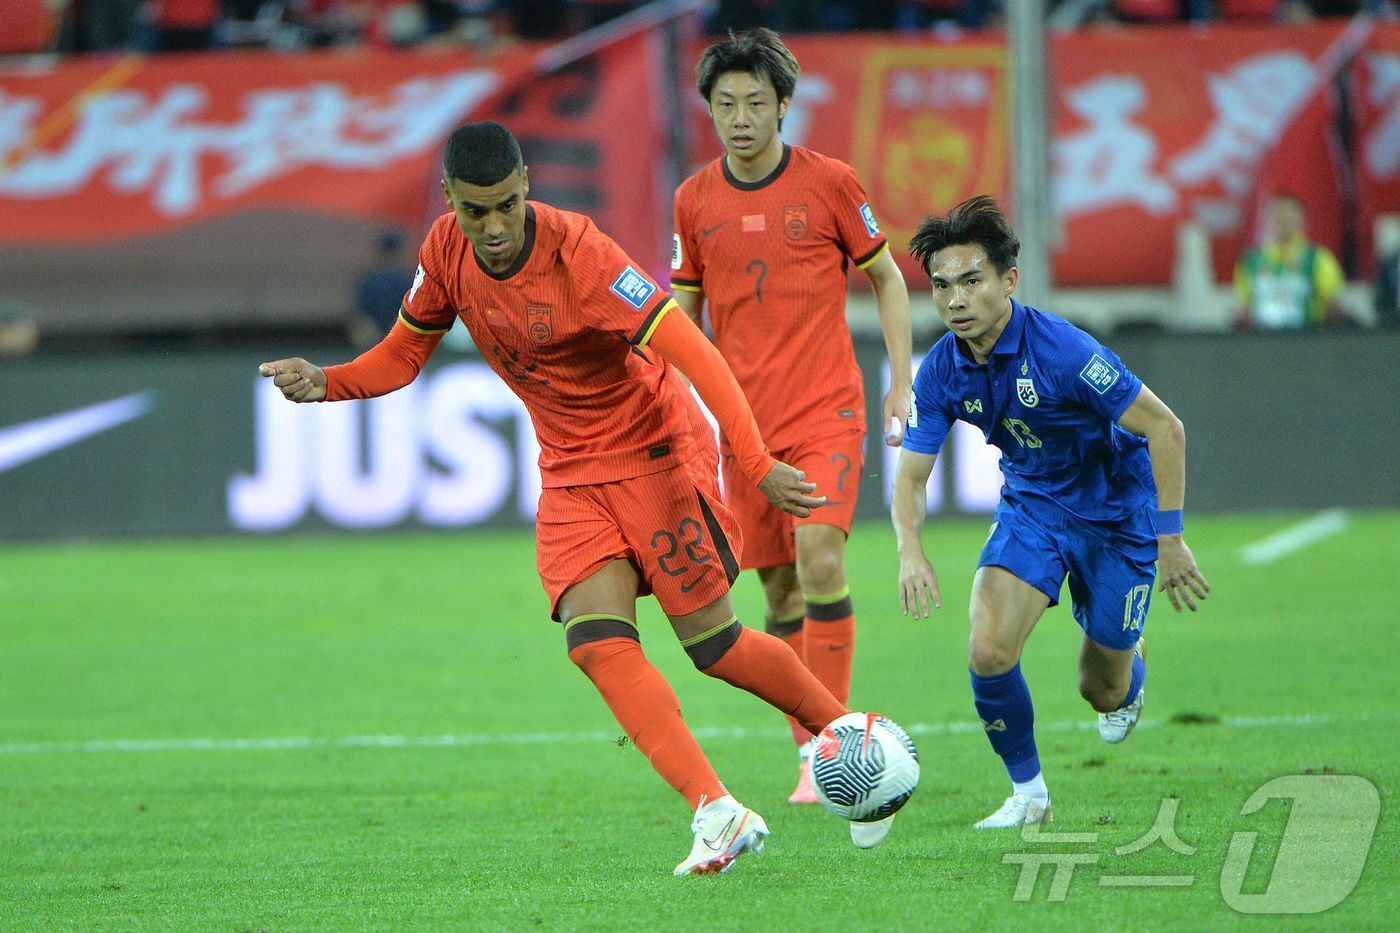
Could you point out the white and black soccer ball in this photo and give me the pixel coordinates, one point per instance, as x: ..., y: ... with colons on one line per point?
x: 864, y: 767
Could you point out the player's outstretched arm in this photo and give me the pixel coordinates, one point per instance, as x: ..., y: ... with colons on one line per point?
x: 299, y: 380
x: 1177, y: 573
x: 892, y: 301
x: 918, y: 584
x: 391, y: 364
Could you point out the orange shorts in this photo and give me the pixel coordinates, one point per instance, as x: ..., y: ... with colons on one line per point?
x: 671, y: 525
x: 833, y: 462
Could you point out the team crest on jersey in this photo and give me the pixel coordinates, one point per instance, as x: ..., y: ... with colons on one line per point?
x: 675, y: 251
x: 632, y: 287
x: 867, y: 215
x: 1025, y: 391
x: 540, y: 323
x: 795, y: 221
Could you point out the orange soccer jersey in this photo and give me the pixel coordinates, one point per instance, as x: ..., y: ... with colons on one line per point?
x: 564, y: 327
x: 771, y: 257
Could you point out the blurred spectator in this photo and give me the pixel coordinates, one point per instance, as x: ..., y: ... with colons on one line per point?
x: 924, y: 14
x: 1149, y: 11
x: 381, y: 290
x: 541, y: 19
x: 590, y: 13
x: 184, y: 25
x: 97, y: 25
x: 1388, y: 289
x: 1248, y: 11
x: 250, y: 23
x: 1288, y: 282
x: 330, y: 23
x: 738, y: 15
x: 19, y: 334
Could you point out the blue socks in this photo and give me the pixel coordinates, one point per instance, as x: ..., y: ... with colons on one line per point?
x: 1135, y: 684
x: 1004, y: 704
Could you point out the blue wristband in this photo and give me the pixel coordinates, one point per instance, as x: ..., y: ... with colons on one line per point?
x: 1169, y: 523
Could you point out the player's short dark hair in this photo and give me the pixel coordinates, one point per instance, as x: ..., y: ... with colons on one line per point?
x: 975, y: 221
x: 758, y: 52
x: 480, y: 154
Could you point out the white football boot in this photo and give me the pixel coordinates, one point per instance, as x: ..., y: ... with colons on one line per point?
x: 870, y: 835
x: 1018, y: 810
x: 724, y: 829
x: 1115, y: 726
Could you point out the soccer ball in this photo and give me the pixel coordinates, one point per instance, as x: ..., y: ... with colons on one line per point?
x: 864, y: 767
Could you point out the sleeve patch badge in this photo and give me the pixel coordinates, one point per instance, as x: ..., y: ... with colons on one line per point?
x: 867, y: 215
x: 675, y: 251
x: 632, y: 287
x: 417, y: 281
x: 1099, y: 373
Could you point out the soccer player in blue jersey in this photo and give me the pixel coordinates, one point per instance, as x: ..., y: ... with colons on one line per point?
x: 1095, y: 469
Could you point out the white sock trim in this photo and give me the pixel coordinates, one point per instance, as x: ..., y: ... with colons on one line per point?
x: 1034, y: 788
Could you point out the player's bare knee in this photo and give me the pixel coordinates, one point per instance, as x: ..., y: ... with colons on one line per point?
x: 821, y: 572
x: 1103, y: 697
x: 986, y: 657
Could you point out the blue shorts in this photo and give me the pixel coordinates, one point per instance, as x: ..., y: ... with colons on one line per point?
x: 1111, y: 568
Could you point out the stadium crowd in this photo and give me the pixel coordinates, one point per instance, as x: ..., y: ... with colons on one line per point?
x: 77, y: 26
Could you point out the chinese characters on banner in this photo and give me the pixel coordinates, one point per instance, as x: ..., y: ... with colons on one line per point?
x: 1150, y: 128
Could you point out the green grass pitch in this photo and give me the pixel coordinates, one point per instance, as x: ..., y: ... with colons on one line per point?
x: 385, y: 732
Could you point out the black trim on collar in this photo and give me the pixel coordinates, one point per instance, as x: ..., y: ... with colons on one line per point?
x: 525, y: 250
x: 762, y: 182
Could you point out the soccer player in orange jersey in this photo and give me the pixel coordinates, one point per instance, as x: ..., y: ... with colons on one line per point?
x: 630, y: 504
x: 764, y: 235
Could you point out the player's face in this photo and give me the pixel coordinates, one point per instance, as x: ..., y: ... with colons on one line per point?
x: 492, y: 217
x: 972, y: 298
x: 746, y: 111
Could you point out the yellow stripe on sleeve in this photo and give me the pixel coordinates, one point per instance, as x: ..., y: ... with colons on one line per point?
x: 641, y: 339
x: 420, y: 329
x: 878, y: 253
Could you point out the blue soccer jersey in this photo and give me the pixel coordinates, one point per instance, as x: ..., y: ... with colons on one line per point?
x: 1049, y: 397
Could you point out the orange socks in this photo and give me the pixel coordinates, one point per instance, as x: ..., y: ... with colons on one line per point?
x: 607, y: 650
x: 830, y: 639
x: 791, y: 632
x: 766, y: 667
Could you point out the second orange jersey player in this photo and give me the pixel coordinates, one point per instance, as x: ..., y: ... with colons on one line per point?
x: 765, y: 236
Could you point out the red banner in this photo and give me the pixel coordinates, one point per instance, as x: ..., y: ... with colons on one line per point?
x: 149, y: 191
x: 101, y: 148
x: 1377, y: 141
x: 1151, y: 127
x: 1156, y: 127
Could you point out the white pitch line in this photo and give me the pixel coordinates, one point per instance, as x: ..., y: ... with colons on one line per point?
x: 573, y: 738
x: 1295, y: 537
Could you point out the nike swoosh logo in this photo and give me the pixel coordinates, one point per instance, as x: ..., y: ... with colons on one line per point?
x: 33, y: 439
x: 712, y: 229
x: 714, y: 843
x: 687, y: 587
